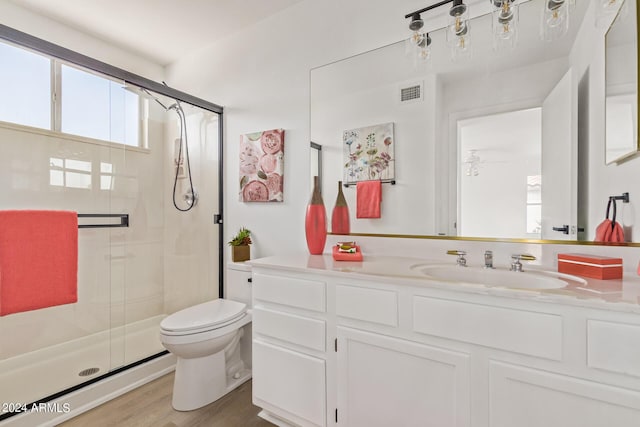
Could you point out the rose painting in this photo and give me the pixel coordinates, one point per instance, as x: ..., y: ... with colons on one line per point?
x: 262, y: 166
x: 368, y: 153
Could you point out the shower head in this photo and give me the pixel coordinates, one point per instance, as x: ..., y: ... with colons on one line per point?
x: 144, y: 93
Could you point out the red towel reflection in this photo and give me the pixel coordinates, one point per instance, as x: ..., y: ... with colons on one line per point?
x: 368, y: 198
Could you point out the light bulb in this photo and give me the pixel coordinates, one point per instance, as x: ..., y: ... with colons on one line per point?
x: 417, y: 38
x: 555, y: 19
x: 505, y: 28
x: 458, y: 31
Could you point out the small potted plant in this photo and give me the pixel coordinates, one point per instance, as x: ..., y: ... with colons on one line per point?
x: 240, y: 250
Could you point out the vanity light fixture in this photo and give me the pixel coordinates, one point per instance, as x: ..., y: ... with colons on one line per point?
x: 420, y: 41
x: 505, y: 16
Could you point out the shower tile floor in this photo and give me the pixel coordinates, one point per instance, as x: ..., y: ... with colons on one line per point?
x: 32, y: 376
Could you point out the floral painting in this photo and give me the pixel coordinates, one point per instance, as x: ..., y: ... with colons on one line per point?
x: 262, y: 166
x: 368, y: 153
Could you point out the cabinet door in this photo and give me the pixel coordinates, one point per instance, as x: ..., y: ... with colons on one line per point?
x: 289, y: 384
x: 527, y: 397
x: 385, y: 381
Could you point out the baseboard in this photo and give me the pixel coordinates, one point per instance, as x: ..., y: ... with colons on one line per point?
x: 86, y: 398
x: 268, y: 416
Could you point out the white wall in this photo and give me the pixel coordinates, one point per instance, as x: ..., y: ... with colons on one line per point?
x: 261, y: 76
x: 364, y: 91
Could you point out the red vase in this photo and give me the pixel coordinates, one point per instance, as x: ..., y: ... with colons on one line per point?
x: 340, y: 214
x: 315, y: 223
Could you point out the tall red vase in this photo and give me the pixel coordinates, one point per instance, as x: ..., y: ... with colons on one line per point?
x: 315, y: 223
x: 340, y: 215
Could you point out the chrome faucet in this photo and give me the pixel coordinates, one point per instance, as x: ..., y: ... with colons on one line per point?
x: 516, y: 265
x: 461, y: 261
x: 488, y: 259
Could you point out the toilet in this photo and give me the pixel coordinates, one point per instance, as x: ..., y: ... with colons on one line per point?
x: 212, y: 344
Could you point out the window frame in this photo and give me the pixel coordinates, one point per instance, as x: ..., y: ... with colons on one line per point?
x: 55, y: 102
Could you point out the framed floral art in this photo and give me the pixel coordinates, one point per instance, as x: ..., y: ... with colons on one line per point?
x: 262, y: 166
x: 369, y: 153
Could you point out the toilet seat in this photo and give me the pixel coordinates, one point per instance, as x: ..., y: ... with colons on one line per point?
x: 203, y: 317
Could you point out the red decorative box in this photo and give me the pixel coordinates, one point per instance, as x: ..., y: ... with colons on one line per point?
x: 596, y: 267
x: 344, y: 256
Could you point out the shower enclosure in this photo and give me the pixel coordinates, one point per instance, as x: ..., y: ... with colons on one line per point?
x: 112, y: 146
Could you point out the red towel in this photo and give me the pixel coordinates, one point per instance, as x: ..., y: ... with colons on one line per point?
x: 368, y: 198
x: 603, y: 231
x: 38, y: 259
x: 609, y: 232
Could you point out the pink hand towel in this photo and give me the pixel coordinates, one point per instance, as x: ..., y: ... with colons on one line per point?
x: 368, y: 198
x: 38, y: 259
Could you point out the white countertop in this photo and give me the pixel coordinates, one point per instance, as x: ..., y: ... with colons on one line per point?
x: 618, y: 295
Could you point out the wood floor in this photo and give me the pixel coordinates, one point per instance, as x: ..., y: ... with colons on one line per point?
x: 150, y: 405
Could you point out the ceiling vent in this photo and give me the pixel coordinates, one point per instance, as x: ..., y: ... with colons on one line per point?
x: 411, y: 93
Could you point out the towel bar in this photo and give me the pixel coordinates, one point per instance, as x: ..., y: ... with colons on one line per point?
x: 384, y: 181
x: 624, y: 197
x: 124, y: 220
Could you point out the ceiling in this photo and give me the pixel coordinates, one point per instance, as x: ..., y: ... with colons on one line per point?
x: 160, y: 30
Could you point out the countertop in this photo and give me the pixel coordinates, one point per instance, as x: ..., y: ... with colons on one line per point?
x: 617, y: 295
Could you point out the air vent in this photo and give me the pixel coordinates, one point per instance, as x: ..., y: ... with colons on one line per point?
x: 411, y: 93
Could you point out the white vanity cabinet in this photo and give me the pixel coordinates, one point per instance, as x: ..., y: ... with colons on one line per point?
x: 289, y: 343
x: 409, y: 353
x: 385, y: 381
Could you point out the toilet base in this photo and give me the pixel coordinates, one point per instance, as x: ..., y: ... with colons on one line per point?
x: 196, y: 384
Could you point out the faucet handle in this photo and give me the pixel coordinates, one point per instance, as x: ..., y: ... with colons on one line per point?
x: 488, y: 259
x: 461, y: 261
x: 516, y: 265
x: 523, y: 257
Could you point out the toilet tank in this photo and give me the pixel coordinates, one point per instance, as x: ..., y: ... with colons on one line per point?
x: 238, y: 282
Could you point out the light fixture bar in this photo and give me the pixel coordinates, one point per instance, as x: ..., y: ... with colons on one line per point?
x: 433, y: 6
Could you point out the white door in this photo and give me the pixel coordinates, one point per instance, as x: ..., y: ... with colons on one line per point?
x: 385, y: 381
x: 560, y: 161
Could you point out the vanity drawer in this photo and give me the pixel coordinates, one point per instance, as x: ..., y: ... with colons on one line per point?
x: 294, y: 292
x: 303, y: 331
x: 371, y: 305
x: 526, y: 332
x: 613, y: 347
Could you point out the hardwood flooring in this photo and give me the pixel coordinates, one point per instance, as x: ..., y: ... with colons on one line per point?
x: 150, y: 406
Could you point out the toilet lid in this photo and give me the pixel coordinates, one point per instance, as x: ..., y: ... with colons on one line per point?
x: 204, y: 316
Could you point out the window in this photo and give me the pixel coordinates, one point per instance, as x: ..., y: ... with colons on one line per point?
x: 79, y: 102
x: 25, y: 85
x: 534, y: 204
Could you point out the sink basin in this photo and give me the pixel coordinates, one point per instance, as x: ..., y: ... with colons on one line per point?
x: 528, y: 279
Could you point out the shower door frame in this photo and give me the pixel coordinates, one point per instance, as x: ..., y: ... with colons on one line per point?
x: 39, y: 45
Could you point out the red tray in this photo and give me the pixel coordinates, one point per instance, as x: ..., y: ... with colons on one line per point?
x: 343, y: 256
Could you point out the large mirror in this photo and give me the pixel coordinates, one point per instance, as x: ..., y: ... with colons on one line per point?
x: 621, y: 85
x: 504, y: 145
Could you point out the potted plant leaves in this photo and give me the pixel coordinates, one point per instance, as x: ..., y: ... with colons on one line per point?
x: 240, y: 249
